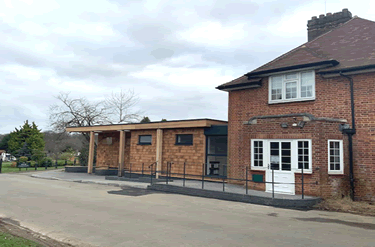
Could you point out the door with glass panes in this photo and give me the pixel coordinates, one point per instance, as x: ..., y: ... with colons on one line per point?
x: 280, y: 158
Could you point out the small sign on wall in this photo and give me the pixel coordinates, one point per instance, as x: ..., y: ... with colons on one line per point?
x: 275, y: 159
x: 109, y: 140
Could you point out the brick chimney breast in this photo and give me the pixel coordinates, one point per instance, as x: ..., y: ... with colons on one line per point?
x: 318, y: 26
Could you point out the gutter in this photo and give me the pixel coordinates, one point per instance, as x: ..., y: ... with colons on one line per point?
x: 252, y: 84
x: 300, y: 66
x: 347, y: 70
x: 350, y: 132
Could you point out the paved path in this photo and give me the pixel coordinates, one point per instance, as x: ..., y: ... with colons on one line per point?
x: 238, y: 189
x: 84, y: 178
x: 86, y: 214
x: 91, y: 178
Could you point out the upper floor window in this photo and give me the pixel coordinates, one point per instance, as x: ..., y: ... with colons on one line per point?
x: 297, y: 86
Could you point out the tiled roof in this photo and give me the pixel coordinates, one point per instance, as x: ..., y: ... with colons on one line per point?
x: 351, y: 44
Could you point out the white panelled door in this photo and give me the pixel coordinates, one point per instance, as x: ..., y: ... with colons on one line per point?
x: 288, y: 156
x: 280, y: 157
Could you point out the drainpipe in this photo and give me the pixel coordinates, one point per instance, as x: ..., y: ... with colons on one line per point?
x: 350, y: 133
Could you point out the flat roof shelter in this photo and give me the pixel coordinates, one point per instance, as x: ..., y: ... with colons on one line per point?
x: 136, y: 146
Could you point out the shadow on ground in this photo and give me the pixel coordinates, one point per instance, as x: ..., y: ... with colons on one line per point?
x: 368, y: 226
x: 131, y: 191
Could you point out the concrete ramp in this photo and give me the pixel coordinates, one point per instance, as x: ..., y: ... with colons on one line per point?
x: 261, y: 200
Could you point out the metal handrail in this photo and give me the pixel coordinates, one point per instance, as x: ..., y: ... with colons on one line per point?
x: 218, y: 179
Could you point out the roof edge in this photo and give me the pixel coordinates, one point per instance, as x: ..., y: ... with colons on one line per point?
x: 186, y: 123
x: 331, y: 62
x: 251, y: 84
x: 345, y: 70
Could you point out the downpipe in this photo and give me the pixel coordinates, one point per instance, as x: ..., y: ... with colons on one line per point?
x: 350, y: 133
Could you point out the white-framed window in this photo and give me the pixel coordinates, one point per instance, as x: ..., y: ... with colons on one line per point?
x: 289, y: 154
x: 304, y: 154
x: 258, y: 153
x: 296, y: 86
x: 335, y: 157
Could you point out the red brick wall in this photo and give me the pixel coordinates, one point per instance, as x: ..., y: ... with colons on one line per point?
x: 332, y: 100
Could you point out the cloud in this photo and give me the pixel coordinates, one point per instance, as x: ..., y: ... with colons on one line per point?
x: 172, y: 53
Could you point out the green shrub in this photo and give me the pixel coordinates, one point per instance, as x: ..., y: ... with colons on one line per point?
x: 23, y: 159
x: 67, y: 155
x: 49, y: 162
x: 84, y: 156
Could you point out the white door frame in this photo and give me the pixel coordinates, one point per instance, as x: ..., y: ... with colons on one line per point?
x: 285, y: 178
x: 263, y: 158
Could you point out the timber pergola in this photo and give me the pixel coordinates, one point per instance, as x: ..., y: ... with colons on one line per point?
x: 122, y: 128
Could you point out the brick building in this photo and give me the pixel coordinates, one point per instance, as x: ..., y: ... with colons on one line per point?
x: 200, y: 144
x: 311, y: 108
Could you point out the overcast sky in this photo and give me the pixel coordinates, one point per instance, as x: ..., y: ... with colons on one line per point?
x: 172, y: 53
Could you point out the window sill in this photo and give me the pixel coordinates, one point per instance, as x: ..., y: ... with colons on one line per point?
x: 304, y: 171
x: 257, y: 168
x: 271, y: 102
x: 335, y: 172
x: 144, y: 143
x: 184, y: 144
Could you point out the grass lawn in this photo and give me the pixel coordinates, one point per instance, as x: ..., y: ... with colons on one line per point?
x: 6, y: 168
x: 8, y: 240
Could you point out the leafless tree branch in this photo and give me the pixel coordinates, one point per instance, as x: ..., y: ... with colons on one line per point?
x: 120, y: 107
x: 79, y: 112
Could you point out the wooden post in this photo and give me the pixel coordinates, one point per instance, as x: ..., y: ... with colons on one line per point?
x: 121, y: 158
x: 159, y: 151
x: 91, y: 152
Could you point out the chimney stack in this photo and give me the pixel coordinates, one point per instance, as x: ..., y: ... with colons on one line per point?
x: 318, y: 26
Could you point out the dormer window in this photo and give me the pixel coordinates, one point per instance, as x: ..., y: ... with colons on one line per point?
x: 297, y: 86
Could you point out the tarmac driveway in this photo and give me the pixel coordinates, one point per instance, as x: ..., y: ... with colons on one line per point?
x: 101, y: 215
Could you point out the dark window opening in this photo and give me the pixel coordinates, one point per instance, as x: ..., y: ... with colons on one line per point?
x: 145, y: 140
x: 184, y: 139
x: 216, y: 156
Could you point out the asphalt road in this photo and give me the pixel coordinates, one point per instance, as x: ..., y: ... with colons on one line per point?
x: 99, y: 215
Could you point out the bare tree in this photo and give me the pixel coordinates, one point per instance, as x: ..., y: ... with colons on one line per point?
x: 79, y: 112
x: 120, y: 107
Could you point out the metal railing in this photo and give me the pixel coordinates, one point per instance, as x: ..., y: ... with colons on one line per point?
x: 168, y: 175
x: 223, y: 179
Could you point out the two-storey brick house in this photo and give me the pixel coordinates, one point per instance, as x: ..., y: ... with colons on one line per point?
x: 312, y: 108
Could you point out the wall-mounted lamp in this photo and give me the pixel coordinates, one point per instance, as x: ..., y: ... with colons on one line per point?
x: 301, y: 124
x: 284, y: 125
